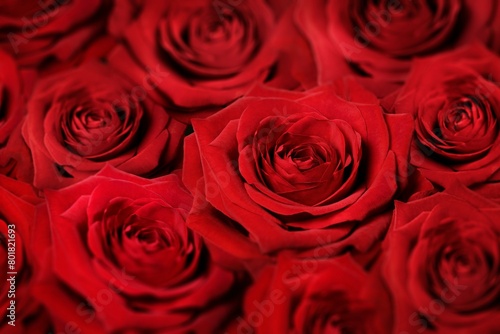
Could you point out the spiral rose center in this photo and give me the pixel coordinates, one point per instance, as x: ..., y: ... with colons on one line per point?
x: 215, y: 29
x: 150, y: 239
x: 464, y: 267
x: 464, y: 129
x: 209, y: 43
x: 458, y: 119
x: 98, y: 131
x: 459, y: 264
x: 427, y: 24
x: 306, y: 158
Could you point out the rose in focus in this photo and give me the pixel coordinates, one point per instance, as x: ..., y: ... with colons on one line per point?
x: 286, y: 170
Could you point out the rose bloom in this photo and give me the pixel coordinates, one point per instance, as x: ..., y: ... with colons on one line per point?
x: 314, y: 296
x: 80, y: 120
x: 35, y: 31
x: 378, y: 39
x: 286, y: 170
x: 214, y: 51
x: 442, y: 264
x: 15, y: 160
x: 17, y: 218
x: 455, y: 101
x: 118, y: 258
x: 10, y: 97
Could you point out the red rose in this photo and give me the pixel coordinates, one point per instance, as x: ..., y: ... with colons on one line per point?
x: 378, y: 39
x: 39, y: 30
x: 82, y: 119
x: 308, y: 296
x: 17, y: 218
x: 286, y: 170
x: 10, y: 97
x: 15, y: 160
x: 455, y: 101
x: 119, y: 258
x: 214, y: 51
x: 442, y: 264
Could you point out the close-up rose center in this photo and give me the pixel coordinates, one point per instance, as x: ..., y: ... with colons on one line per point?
x: 465, y: 265
x: 424, y: 24
x: 146, y: 239
x: 150, y: 238
x: 306, y: 158
x: 209, y: 42
x: 464, y: 128
x: 98, y: 131
x: 214, y: 29
x: 457, y: 119
x: 463, y: 115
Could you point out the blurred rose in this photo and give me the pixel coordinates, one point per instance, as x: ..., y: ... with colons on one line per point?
x: 378, y: 39
x: 80, y: 120
x: 455, y: 101
x: 119, y: 258
x: 15, y: 160
x: 215, y: 51
x: 313, y: 296
x: 442, y: 263
x: 17, y: 218
x: 35, y: 31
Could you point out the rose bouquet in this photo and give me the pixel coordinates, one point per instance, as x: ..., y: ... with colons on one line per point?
x: 250, y: 166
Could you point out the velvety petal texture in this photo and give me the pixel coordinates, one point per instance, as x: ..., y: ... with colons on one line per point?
x: 291, y: 171
x: 308, y: 296
x: 15, y: 158
x: 377, y: 40
x: 442, y: 261
x: 455, y: 101
x: 17, y: 218
x: 208, y: 53
x: 250, y: 166
x: 120, y: 252
x: 10, y: 97
x: 80, y: 120
x: 37, y: 31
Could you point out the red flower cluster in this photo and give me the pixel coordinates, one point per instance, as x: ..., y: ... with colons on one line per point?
x: 237, y: 166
